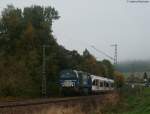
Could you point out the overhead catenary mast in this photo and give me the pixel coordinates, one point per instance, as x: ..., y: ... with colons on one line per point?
x: 44, y: 77
x: 44, y: 74
x: 116, y: 54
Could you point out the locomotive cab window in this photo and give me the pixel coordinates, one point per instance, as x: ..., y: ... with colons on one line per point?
x: 67, y: 74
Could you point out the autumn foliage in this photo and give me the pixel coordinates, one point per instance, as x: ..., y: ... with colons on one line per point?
x: 119, y: 79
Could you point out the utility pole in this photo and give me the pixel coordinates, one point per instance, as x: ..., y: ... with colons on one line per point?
x: 44, y: 78
x: 116, y: 54
x: 44, y: 74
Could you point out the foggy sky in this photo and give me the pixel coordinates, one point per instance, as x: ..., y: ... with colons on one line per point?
x: 101, y: 23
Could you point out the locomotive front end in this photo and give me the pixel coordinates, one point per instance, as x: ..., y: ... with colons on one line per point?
x: 68, y: 81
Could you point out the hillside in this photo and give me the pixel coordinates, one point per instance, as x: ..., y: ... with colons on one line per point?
x: 134, y: 66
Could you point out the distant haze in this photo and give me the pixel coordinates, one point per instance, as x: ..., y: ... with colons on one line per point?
x: 100, y: 23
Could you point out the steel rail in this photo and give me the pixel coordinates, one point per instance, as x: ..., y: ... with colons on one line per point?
x: 45, y: 101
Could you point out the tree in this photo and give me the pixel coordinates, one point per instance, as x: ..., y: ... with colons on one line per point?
x: 108, y: 68
x: 22, y: 34
x: 91, y: 65
x: 86, y: 54
x: 119, y: 79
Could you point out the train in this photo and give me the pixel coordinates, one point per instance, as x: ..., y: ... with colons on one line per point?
x: 74, y: 81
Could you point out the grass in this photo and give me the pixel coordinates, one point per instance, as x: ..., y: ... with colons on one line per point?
x: 138, y: 103
x: 133, y: 101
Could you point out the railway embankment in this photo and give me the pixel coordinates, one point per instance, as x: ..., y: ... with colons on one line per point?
x: 126, y: 101
x: 77, y: 105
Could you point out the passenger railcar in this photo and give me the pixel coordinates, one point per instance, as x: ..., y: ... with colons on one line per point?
x: 101, y: 84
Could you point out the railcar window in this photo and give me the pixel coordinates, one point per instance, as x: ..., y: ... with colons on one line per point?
x: 106, y: 84
x: 101, y: 84
x: 95, y: 82
x: 109, y: 84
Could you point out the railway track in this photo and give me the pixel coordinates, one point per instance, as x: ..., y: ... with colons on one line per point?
x: 14, y: 104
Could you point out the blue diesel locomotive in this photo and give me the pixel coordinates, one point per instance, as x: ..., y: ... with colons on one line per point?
x: 75, y: 81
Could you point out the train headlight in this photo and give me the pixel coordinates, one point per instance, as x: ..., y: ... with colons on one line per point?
x: 62, y: 84
x: 68, y: 83
x: 73, y: 84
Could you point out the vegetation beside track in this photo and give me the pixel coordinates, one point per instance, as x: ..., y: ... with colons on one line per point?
x: 137, y: 102
x: 132, y: 101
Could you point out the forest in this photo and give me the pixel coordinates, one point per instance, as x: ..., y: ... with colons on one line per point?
x: 23, y: 32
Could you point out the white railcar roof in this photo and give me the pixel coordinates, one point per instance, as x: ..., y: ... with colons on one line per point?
x: 93, y: 77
